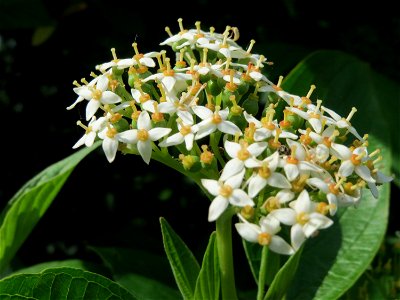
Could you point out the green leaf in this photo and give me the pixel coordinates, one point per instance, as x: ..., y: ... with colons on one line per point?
x: 183, y: 263
x: 208, y: 282
x: 30, y: 203
x: 343, y: 81
x: 42, y: 34
x: 284, y: 277
x: 132, y: 269
x: 61, y: 283
x: 70, y: 263
x: 332, y: 262
x: 253, y: 255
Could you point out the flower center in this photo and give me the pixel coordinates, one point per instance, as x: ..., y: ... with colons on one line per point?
x: 142, y: 135
x: 302, y: 218
x: 216, y: 118
x: 271, y: 204
x: 96, y: 94
x: 264, y: 239
x: 355, y: 159
x: 111, y: 132
x: 264, y: 171
x: 225, y: 191
x: 322, y: 208
x: 185, y: 130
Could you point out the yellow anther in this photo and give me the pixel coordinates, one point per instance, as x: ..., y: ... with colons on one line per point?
x: 76, y: 83
x: 279, y: 81
x: 302, y: 218
x: 264, y: 171
x: 160, y: 64
x: 226, y: 190
x: 259, y: 62
x: 377, y: 160
x: 377, y: 151
x: 205, y: 50
x: 87, y: 129
x: 212, y: 30
x: 247, y: 212
x: 111, y: 132
x: 142, y: 135
x: 135, y: 48
x: 206, y: 156
x: 339, y: 183
x: 197, y: 24
x: 236, y: 34
x: 271, y: 204
x: 92, y: 74
x: 84, y: 81
x: 319, y: 102
x: 334, y: 134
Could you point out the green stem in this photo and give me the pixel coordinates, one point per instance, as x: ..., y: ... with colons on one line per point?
x: 262, y: 275
x: 224, y: 244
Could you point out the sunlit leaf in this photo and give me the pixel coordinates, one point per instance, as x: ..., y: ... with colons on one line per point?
x: 61, y: 283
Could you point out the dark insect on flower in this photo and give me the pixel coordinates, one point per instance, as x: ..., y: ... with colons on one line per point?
x: 284, y: 150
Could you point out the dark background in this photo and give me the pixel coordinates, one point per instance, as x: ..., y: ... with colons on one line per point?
x: 119, y: 204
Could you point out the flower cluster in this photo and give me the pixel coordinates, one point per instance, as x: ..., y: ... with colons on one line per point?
x: 282, y: 162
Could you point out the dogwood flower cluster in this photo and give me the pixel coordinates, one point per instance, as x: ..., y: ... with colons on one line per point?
x: 282, y: 162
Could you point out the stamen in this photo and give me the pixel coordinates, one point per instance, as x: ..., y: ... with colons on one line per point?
x: 353, y: 111
x: 259, y: 62
x: 252, y: 42
x: 79, y: 123
x: 181, y: 25
x: 339, y: 183
x: 168, y: 31
x: 76, y: 83
x: 312, y: 88
x: 160, y: 64
x: 207, y: 156
x: 197, y: 24
x: 334, y: 134
x: 114, y: 55
x: 279, y: 81
x: 134, y: 45
x: 93, y: 74
x: 377, y: 160
x: 212, y: 30
x: 319, y: 102
x: 84, y: 81
x: 205, y: 50
x: 377, y: 151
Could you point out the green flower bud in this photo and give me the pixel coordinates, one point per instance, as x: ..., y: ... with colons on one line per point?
x: 116, y: 71
x: 214, y: 87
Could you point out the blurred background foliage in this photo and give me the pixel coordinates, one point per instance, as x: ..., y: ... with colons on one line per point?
x: 45, y: 45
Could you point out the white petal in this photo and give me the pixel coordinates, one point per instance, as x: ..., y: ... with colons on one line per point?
x: 224, y: 113
x: 202, y: 112
x: 232, y: 148
x: 285, y: 196
x: 125, y: 63
x: 157, y: 133
x: 92, y: 108
x: 346, y: 168
x: 374, y: 190
x: 128, y: 136
x: 250, y: 119
x: 144, y: 121
x: 136, y: 95
x: 217, y: 207
x: 232, y: 167
x: 109, y: 97
x: 364, y: 173
x: 228, y: 79
x: 253, y: 163
x: 297, y: 236
x: 189, y: 141
x: 204, y: 129
x: 256, y: 184
x: 316, y: 137
x: 257, y: 148
x: 212, y: 186
x: 332, y: 200
x: 102, y: 83
x: 279, y: 245
x: 84, y: 92
x: 186, y: 117
x: 148, y: 62
x: 303, y: 203
x: 286, y: 135
x: 80, y: 142
x: 262, y: 134
x: 355, y: 133
x: 90, y: 137
x: 167, y: 108
x: 236, y: 180
x: 319, y: 184
x: 145, y: 150
x: 321, y: 153
x: 291, y: 171
x: 332, y: 113
x: 316, y: 124
x: 169, y: 82
x: 299, y: 112
x: 149, y: 105
x: 240, y: 198
x: 110, y: 147
x: 172, y: 140
x: 286, y: 216
x: 248, y: 231
x: 279, y: 181
x: 341, y: 151
x: 229, y: 127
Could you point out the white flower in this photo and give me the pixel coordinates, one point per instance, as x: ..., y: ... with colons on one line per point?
x: 90, y: 132
x: 264, y: 234
x: 303, y: 219
x: 295, y: 164
x: 170, y: 79
x: 80, y: 98
x: 185, y: 134
x: 314, y: 117
x: 225, y: 193
x: 344, y: 123
x: 353, y: 162
x: 266, y: 129
x: 143, y: 136
x: 241, y: 153
x: 379, y: 179
x: 266, y: 175
x: 96, y: 95
x: 211, y: 121
x: 110, y: 141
